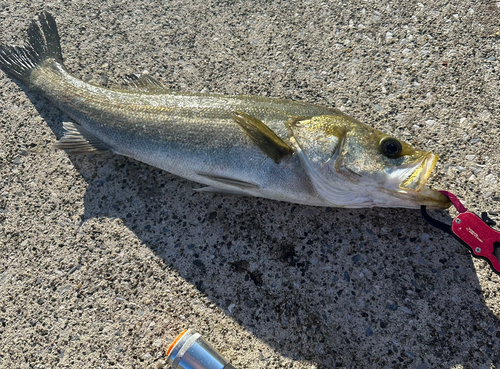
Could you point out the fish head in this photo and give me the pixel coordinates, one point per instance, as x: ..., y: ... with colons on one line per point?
x: 354, y: 165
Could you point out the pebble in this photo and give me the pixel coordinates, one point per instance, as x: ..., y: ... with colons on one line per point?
x: 491, y: 179
x: 424, y: 237
x: 422, y: 366
x: 347, y: 277
x: 406, y: 310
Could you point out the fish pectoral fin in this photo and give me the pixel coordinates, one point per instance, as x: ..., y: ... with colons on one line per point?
x: 242, y: 185
x: 142, y: 82
x: 77, y: 140
x: 212, y: 189
x: 263, y: 137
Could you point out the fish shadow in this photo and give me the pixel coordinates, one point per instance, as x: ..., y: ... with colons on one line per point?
x: 340, y: 288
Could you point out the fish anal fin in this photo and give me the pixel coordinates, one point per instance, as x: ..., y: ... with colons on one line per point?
x: 242, y: 185
x: 142, y: 82
x: 263, y: 137
x: 77, y: 140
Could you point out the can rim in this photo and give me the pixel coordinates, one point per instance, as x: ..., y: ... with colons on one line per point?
x: 175, y: 341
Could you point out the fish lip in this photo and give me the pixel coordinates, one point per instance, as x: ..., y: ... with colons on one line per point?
x: 433, y: 199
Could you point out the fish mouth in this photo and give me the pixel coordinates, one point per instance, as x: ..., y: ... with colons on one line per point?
x: 418, y: 178
x: 415, y: 184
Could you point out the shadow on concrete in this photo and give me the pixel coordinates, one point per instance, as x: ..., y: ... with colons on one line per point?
x: 341, y: 288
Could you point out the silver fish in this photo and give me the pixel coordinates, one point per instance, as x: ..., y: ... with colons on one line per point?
x: 244, y: 145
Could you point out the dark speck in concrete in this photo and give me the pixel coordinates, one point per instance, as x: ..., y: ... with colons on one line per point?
x: 198, y: 263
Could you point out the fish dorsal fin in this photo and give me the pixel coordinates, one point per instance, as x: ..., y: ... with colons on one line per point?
x: 263, y: 137
x: 77, y: 140
x: 230, y: 181
x: 143, y: 82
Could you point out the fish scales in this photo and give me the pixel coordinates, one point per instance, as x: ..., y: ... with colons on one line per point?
x: 185, y: 134
x: 247, y: 145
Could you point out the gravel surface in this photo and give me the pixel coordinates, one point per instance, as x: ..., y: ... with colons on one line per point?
x: 102, y: 258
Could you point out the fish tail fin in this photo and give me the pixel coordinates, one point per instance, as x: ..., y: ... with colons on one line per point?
x: 42, y: 44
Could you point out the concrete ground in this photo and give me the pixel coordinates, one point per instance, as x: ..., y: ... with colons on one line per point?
x: 103, y: 259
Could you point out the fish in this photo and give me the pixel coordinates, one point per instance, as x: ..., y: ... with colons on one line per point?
x: 257, y: 146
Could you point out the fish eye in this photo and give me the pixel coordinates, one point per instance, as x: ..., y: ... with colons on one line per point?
x: 391, y: 147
